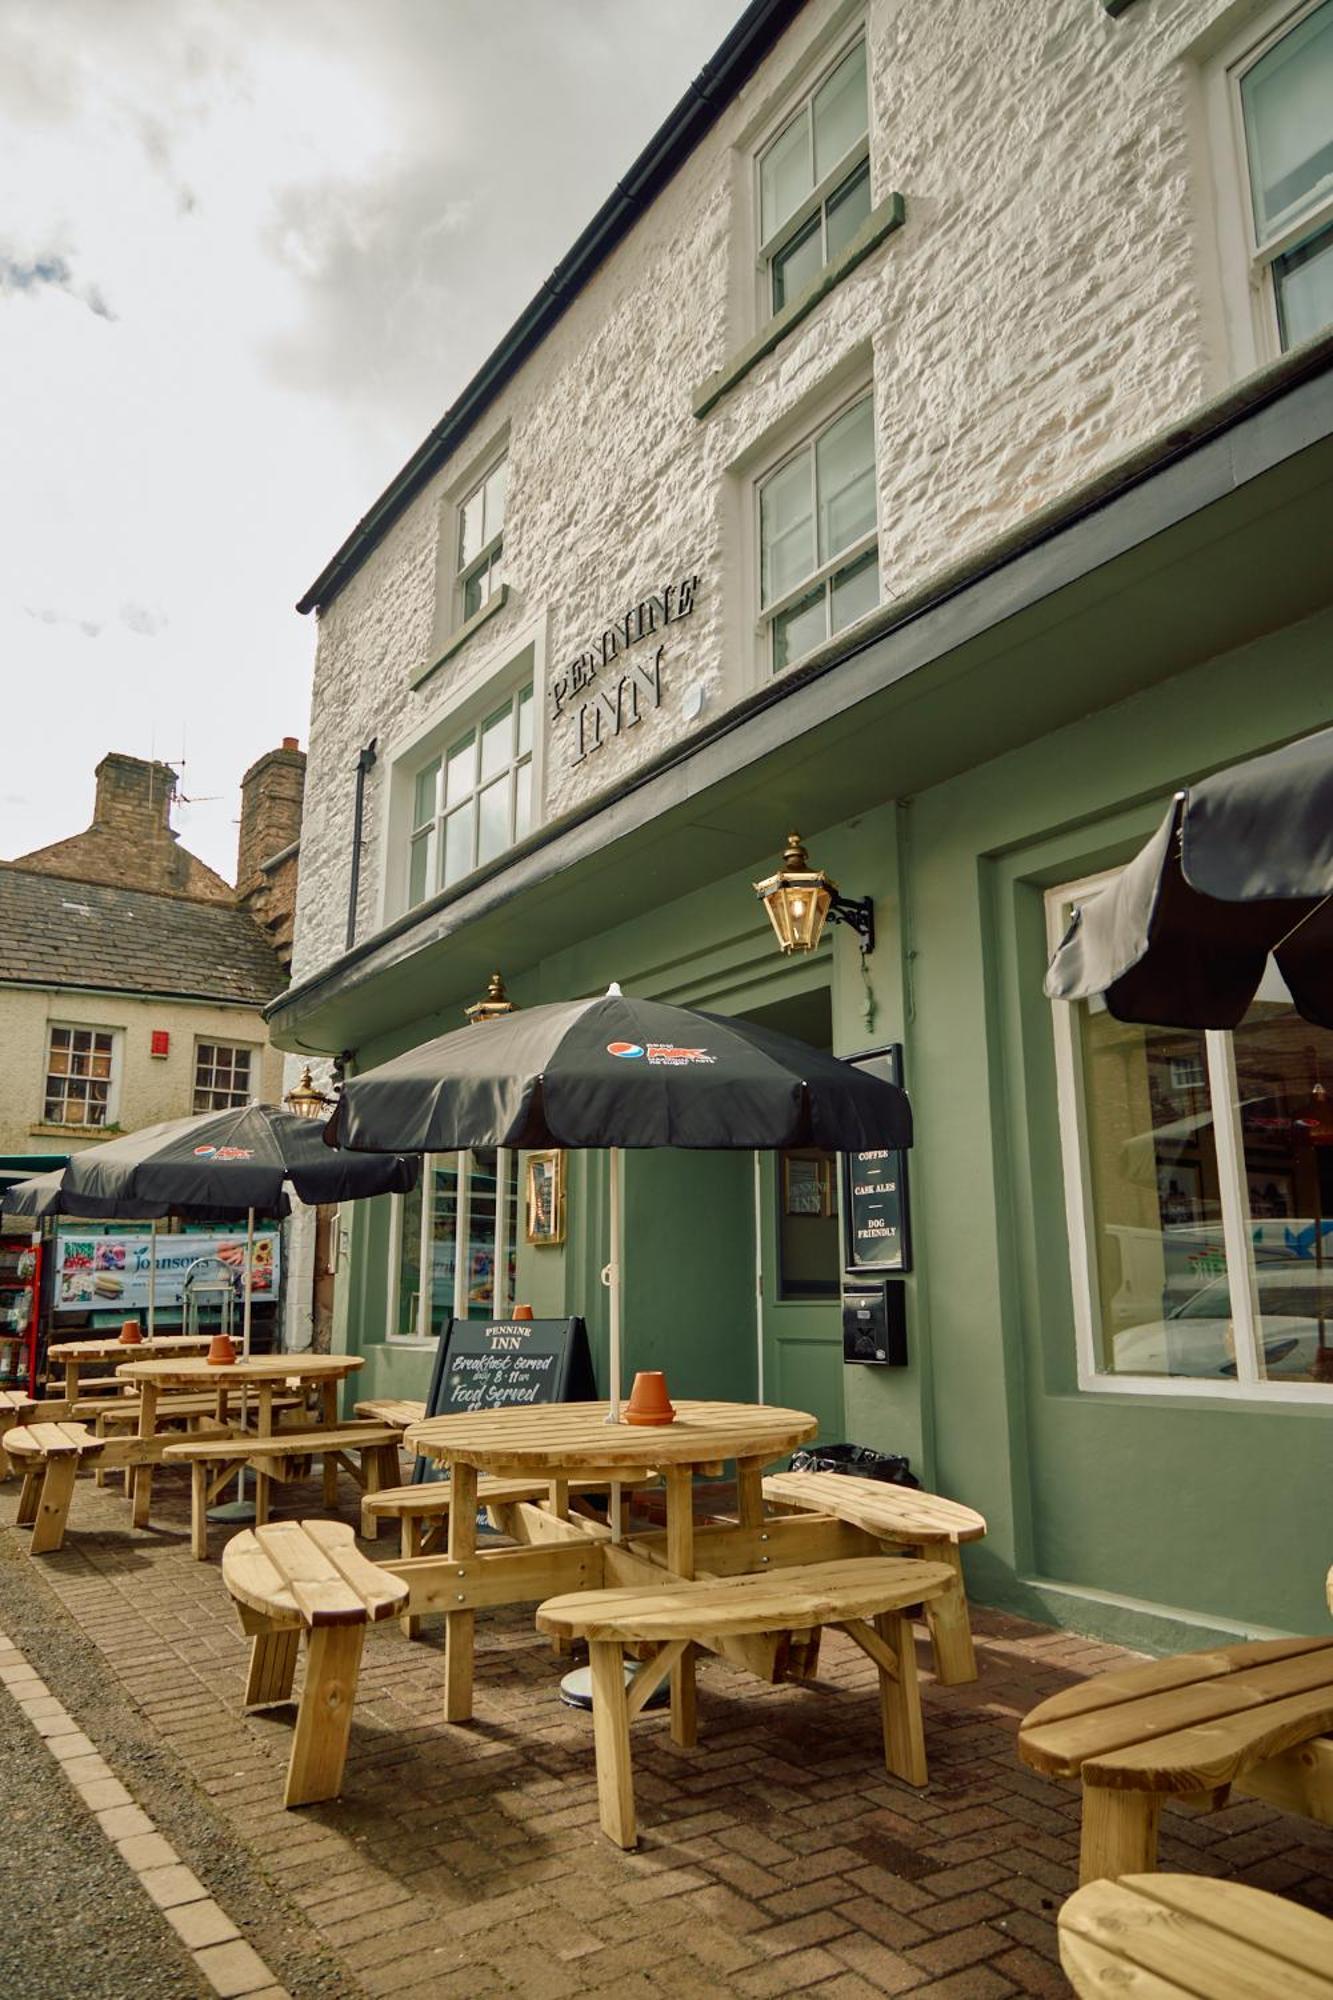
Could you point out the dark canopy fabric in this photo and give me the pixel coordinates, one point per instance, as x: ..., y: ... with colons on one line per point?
x: 1241, y: 867
x: 46, y: 1194
x: 226, y: 1161
x: 618, y: 1072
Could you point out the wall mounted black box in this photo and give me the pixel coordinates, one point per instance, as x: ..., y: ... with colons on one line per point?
x: 874, y: 1323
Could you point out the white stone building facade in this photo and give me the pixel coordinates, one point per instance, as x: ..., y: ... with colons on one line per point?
x: 1072, y: 274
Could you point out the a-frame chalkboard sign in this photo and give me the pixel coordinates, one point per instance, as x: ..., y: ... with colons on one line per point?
x: 491, y: 1364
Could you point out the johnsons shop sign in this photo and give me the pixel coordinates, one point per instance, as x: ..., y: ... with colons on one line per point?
x: 616, y: 704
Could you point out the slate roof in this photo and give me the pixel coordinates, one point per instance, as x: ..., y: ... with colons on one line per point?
x: 58, y: 932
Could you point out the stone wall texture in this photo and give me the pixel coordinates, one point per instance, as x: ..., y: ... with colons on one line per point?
x: 267, y: 855
x: 1052, y: 301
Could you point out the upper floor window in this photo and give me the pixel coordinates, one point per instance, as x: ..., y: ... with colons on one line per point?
x: 814, y: 180
x: 80, y: 1076
x: 473, y: 800
x: 223, y: 1076
x: 818, y: 539
x: 1273, y: 150
x: 481, y: 520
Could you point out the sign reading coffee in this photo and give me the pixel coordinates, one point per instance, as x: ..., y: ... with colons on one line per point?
x: 875, y: 1212
x: 601, y: 704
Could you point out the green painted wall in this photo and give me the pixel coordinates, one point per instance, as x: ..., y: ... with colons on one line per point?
x: 1159, y: 1521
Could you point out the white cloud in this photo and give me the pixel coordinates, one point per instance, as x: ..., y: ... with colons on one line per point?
x: 248, y: 255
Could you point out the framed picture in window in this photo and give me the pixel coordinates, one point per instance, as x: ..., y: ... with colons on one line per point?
x: 1272, y: 1193
x: 546, y: 1198
x: 1179, y: 1192
x: 807, y: 1185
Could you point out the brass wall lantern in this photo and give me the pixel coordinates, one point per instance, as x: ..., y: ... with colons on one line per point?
x: 306, y: 1100
x: 801, y: 899
x: 494, y: 1006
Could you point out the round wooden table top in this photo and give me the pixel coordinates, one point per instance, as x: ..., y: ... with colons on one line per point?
x: 197, y: 1371
x: 128, y: 1350
x: 563, y: 1436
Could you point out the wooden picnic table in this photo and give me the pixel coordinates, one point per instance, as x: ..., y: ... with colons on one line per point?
x: 566, y: 1441
x: 264, y: 1374
x: 72, y: 1354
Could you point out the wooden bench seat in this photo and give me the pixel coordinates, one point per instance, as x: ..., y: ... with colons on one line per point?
x: 1193, y: 1727
x: 369, y: 1452
x: 15, y: 1408
x: 308, y: 1576
x: 866, y: 1597
x: 49, y: 1455
x: 900, y: 1517
x: 395, y: 1410
x: 1184, y: 1937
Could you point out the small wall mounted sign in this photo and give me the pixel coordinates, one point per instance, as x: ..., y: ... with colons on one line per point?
x: 600, y: 704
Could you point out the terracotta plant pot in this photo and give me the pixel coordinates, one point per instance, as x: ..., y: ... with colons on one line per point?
x: 221, y: 1350
x: 130, y: 1334
x: 522, y: 1312
x: 648, y: 1401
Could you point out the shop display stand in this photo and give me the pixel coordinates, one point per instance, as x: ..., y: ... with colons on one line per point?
x: 20, y: 1310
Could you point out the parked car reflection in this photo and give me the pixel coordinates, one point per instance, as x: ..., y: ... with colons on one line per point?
x: 1296, y: 1312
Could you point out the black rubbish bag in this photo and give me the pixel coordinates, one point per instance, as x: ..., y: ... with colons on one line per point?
x: 858, y: 1459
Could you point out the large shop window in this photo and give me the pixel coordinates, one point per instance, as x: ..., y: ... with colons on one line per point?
x: 1282, y: 109
x: 1199, y: 1185
x: 453, y: 1236
x: 814, y: 180
x: 818, y: 536
x: 473, y: 801
x: 80, y: 1076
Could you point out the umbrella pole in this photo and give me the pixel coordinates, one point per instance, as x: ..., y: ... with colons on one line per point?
x: 247, y: 1285
x: 152, y: 1277
x: 611, y: 1278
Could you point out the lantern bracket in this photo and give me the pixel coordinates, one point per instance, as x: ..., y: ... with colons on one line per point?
x: 858, y: 913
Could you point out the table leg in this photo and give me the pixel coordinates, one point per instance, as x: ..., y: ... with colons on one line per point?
x: 324, y: 1718
x: 143, y: 1474
x: 460, y: 1626
x: 680, y: 1561
x: 71, y: 1381
x: 328, y: 1404
x: 948, y: 1621
x: 750, y: 1492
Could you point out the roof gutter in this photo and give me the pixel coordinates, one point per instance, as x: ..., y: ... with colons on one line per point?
x: 666, y: 152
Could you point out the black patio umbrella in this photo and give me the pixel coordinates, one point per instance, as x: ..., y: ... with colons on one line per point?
x: 616, y: 1072
x: 221, y: 1165
x: 1241, y: 867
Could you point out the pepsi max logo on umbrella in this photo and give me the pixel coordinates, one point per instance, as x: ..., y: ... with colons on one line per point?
x: 663, y: 1054
x: 224, y: 1152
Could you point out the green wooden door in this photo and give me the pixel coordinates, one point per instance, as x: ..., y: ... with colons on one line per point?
x: 690, y: 1272
x: 802, y: 1338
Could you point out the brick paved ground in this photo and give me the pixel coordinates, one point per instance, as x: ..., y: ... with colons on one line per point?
x: 776, y: 1858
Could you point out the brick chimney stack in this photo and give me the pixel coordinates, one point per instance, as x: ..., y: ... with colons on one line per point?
x: 130, y: 844
x: 266, y: 851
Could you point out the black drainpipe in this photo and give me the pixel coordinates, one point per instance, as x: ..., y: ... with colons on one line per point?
x: 365, y: 762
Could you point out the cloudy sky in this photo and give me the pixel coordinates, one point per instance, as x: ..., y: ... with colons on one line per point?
x: 250, y: 250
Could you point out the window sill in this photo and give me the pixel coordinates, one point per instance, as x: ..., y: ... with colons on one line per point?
x: 881, y: 222
x: 74, y: 1132
x: 494, y: 603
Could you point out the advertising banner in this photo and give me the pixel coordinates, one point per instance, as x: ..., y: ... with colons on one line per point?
x: 111, y: 1273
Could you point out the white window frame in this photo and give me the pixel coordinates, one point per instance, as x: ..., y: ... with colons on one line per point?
x: 1249, y: 1385
x: 250, y: 1049
x: 491, y: 551
x: 113, y: 1081
x: 465, y: 703
x: 433, y: 829
x: 858, y: 154
x: 1249, y: 293
x: 823, y: 573
x: 464, y: 1165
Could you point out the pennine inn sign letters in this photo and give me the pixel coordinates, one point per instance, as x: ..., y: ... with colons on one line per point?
x: 604, y: 691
